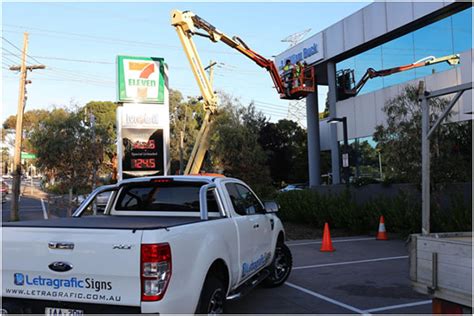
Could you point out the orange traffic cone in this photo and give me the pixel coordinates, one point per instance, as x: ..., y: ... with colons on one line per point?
x: 327, y: 243
x: 382, y: 233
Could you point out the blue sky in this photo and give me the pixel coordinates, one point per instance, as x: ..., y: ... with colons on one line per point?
x: 90, y: 36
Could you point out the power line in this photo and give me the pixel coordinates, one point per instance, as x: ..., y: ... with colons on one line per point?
x: 10, y: 60
x: 36, y: 60
x: 75, y: 78
x: 101, y: 39
x: 55, y: 77
x: 78, y: 60
x: 79, y: 81
x: 104, y: 14
x: 80, y: 74
x: 279, y: 108
x: 11, y: 53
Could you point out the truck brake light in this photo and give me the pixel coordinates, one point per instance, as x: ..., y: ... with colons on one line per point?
x: 155, y: 270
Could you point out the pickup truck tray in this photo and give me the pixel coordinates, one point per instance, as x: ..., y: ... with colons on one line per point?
x: 109, y: 222
x: 441, y: 266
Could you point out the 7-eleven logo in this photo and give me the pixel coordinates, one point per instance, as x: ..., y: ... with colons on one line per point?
x: 143, y: 81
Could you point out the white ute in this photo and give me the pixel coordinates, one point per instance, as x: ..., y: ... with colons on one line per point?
x: 177, y: 244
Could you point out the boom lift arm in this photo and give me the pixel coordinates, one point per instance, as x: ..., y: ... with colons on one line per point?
x: 189, y: 22
x: 345, y: 78
x: 182, y: 24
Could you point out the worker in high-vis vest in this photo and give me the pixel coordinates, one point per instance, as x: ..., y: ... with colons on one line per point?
x: 288, y: 76
x: 298, y: 73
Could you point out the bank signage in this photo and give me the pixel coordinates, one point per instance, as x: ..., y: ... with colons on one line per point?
x: 309, y: 51
x: 140, y: 79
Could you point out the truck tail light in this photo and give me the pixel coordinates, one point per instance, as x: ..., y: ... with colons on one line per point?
x: 155, y: 270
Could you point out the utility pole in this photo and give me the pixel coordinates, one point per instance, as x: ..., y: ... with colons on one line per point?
x: 94, y: 171
x: 19, y: 127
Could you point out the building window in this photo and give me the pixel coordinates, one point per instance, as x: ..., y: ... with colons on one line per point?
x: 451, y: 35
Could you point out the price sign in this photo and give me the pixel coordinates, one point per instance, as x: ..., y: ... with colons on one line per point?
x: 142, y: 152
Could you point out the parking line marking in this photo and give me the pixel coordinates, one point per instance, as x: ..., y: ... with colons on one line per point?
x: 334, y: 240
x: 386, y: 308
x: 349, y: 262
x: 325, y: 298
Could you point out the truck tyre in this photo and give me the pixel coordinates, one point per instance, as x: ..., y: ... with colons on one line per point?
x: 280, y: 268
x: 213, y: 296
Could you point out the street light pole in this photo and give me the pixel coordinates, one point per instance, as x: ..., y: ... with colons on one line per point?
x: 345, y: 152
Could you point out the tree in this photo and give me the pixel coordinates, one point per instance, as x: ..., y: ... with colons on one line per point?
x: 31, y: 120
x: 105, y: 113
x: 400, y: 141
x: 364, y: 159
x: 235, y: 149
x: 186, y: 118
x: 66, y: 149
x: 285, y: 144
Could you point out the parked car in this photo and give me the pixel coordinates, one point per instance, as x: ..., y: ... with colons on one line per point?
x: 5, y: 190
x: 296, y: 186
x: 101, y: 200
x: 181, y: 244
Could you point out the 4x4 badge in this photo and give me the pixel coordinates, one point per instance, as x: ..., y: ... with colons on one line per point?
x: 122, y: 247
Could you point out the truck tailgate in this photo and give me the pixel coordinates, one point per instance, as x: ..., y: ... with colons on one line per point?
x: 80, y: 265
x: 441, y: 265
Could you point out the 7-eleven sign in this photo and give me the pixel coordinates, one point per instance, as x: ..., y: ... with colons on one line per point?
x: 140, y: 79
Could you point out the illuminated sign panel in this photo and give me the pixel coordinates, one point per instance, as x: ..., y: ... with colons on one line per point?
x: 140, y: 79
x: 143, y: 150
x: 143, y: 139
x: 309, y: 51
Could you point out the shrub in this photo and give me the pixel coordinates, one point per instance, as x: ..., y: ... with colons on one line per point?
x: 402, y: 213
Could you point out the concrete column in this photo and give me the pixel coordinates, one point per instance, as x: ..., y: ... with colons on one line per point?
x: 336, y: 176
x: 314, y: 148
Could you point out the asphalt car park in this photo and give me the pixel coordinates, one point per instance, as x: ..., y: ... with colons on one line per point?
x: 361, y: 276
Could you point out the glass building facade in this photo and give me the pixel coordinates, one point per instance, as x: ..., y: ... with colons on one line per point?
x: 451, y: 35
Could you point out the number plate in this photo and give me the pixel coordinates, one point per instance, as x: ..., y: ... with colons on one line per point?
x: 52, y: 311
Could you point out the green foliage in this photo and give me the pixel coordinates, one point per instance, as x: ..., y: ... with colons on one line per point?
x: 105, y: 113
x: 367, y: 158
x: 66, y: 149
x: 31, y: 120
x: 402, y: 213
x: 361, y: 181
x: 234, y: 148
x: 286, y: 148
x: 400, y: 142
x: 185, y: 118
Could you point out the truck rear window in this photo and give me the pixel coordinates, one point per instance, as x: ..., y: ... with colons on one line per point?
x: 176, y: 196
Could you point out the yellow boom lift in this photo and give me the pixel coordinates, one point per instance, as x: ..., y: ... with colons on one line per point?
x: 186, y: 24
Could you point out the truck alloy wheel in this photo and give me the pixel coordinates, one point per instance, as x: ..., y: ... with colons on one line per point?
x: 216, y: 304
x: 213, y: 296
x: 280, y: 268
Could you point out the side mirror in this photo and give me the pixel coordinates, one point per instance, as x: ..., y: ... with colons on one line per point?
x: 271, y: 207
